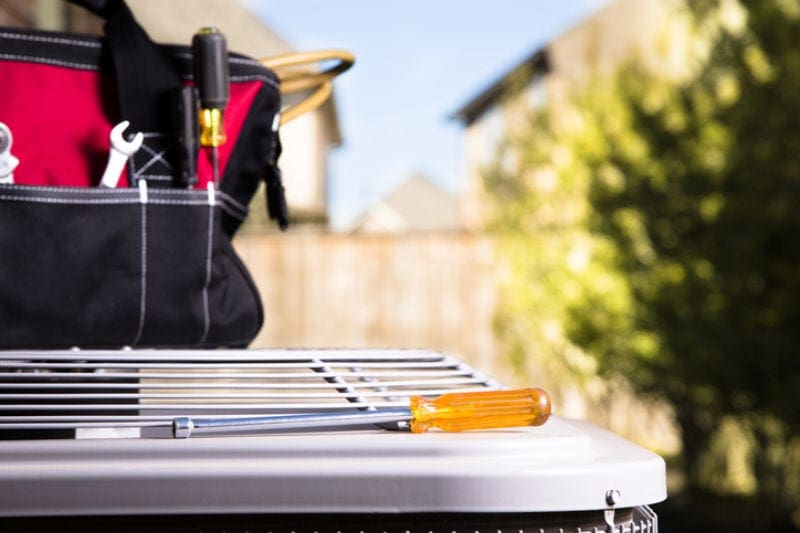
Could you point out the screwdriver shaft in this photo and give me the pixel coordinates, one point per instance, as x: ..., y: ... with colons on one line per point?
x: 183, y: 427
x: 215, y: 164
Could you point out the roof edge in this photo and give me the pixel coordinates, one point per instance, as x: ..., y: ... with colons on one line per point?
x: 524, y: 71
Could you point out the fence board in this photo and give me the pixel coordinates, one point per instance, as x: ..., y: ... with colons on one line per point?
x: 431, y: 290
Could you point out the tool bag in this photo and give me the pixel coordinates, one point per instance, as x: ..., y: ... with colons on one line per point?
x: 149, y: 263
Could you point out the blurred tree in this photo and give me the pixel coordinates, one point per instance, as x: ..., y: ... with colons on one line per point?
x: 656, y: 221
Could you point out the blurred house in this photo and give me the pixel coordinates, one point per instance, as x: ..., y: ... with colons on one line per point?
x: 416, y: 205
x: 16, y: 13
x: 621, y: 31
x: 56, y: 15
x: 306, y: 140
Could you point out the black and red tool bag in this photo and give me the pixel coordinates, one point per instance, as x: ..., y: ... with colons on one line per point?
x: 148, y: 263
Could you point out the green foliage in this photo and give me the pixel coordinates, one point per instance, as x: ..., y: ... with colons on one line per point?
x: 655, y: 222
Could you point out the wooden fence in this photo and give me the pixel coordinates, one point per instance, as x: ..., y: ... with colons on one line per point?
x: 432, y: 291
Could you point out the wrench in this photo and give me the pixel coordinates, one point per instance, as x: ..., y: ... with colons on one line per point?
x: 120, y: 151
x: 7, y: 161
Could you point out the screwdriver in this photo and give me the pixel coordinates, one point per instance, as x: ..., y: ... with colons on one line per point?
x: 456, y: 411
x: 212, y: 79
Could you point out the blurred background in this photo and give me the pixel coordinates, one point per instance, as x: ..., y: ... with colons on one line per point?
x: 595, y: 197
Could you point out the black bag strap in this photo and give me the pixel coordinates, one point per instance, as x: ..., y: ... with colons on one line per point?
x: 145, y: 77
x: 98, y: 7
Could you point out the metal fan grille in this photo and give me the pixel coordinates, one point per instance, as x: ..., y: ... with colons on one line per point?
x: 41, y: 390
x: 641, y: 519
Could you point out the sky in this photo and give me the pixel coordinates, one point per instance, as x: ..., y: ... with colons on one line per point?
x: 417, y: 62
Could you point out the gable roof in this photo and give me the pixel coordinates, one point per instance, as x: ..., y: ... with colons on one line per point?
x: 417, y: 204
x: 533, y: 65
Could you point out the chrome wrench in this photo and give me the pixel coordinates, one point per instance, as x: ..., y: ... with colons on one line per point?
x: 119, y: 153
x: 7, y: 161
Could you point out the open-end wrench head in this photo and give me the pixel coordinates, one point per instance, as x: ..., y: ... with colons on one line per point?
x: 119, y: 143
x: 5, y: 138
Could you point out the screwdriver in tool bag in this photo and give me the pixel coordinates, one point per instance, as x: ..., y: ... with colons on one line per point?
x: 457, y: 411
x: 212, y: 79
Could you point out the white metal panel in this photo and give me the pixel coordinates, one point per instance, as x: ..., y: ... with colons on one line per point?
x: 563, y: 465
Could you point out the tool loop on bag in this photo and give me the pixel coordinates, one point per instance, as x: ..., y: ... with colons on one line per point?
x: 142, y: 185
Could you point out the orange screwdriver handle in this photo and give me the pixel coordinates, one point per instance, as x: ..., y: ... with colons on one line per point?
x: 460, y: 411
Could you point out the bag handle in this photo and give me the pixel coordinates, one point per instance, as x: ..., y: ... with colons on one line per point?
x: 295, y: 80
x: 145, y: 77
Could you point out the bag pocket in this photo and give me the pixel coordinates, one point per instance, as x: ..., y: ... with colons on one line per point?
x: 92, y: 267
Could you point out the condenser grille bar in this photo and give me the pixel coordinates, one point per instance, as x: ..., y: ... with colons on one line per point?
x: 149, y: 388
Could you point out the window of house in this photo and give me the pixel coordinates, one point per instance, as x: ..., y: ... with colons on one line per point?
x: 537, y: 91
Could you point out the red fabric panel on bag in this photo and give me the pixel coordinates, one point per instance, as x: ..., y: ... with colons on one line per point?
x: 242, y: 96
x: 60, y: 119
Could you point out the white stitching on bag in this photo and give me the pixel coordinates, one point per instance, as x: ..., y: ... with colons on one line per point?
x: 121, y: 201
x: 96, y: 201
x: 78, y: 190
x: 48, y: 200
x: 158, y: 177
x: 143, y: 291
x: 125, y: 201
x: 234, y: 203
x: 154, y: 158
x: 45, y: 39
x: 47, y: 61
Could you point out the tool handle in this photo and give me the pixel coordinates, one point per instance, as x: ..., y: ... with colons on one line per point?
x: 480, y: 410
x: 211, y: 72
x: 187, y: 111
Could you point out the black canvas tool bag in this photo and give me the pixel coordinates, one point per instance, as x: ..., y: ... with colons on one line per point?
x: 149, y: 263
